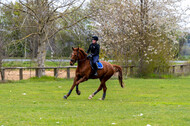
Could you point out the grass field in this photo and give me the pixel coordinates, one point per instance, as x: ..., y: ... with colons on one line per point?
x: 33, y: 64
x: 157, y: 102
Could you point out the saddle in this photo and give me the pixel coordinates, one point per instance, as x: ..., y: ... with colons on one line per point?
x: 99, y: 65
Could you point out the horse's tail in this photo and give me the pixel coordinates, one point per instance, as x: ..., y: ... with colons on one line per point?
x: 120, y: 76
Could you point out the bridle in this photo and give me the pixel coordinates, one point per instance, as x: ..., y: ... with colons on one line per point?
x: 77, y: 59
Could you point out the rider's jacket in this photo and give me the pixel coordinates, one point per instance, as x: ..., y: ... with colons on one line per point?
x: 94, y: 49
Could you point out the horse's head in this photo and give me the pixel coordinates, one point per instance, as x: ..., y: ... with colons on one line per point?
x: 74, y: 56
x: 78, y: 54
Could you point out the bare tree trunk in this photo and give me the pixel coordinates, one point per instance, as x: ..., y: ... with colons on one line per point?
x: 41, y: 55
x: 141, y: 52
x: 0, y: 65
x: 143, y: 38
x: 1, y: 58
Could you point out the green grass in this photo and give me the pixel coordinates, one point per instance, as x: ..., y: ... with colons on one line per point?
x: 33, y: 64
x: 162, y: 102
x: 185, y: 58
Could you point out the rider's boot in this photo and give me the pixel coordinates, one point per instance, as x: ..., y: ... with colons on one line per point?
x: 95, y: 70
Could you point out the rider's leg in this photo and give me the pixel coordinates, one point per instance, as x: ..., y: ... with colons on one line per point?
x: 95, y: 59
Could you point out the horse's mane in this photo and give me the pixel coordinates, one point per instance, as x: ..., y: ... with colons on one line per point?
x: 82, y: 50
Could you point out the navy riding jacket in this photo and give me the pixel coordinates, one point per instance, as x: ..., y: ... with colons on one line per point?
x: 94, y: 49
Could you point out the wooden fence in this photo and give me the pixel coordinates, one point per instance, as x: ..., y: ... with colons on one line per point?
x: 127, y: 70
x: 180, y: 69
x: 36, y: 70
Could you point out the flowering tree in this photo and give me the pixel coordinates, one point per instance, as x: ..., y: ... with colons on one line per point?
x: 143, y: 31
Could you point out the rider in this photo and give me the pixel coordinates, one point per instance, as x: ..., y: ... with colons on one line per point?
x: 94, y: 48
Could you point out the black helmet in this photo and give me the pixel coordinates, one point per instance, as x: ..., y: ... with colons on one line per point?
x: 95, y: 38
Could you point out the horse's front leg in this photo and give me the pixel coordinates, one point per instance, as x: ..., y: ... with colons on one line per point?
x: 76, y: 83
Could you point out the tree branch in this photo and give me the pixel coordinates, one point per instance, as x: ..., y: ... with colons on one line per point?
x: 17, y: 41
x: 16, y: 9
x: 66, y: 27
x: 64, y: 13
x: 35, y: 15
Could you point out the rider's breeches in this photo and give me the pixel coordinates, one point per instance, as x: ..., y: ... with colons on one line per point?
x: 95, y: 59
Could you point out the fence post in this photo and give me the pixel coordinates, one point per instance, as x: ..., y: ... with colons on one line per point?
x: 37, y: 72
x: 68, y: 73
x: 3, y: 74
x: 173, y: 69
x: 181, y: 68
x: 21, y: 73
x: 56, y: 72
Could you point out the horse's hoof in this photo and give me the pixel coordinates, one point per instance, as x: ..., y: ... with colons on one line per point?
x: 101, y: 98
x: 78, y: 92
x: 90, y: 97
x: 65, y: 97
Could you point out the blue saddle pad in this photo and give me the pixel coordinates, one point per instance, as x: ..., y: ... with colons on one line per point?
x: 100, y: 65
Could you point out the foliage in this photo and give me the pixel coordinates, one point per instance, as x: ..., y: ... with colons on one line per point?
x: 11, y: 20
x: 144, y: 32
x: 43, y: 20
x: 21, y: 22
x: 142, y: 102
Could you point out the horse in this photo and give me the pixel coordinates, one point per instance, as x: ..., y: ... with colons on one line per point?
x: 84, y: 72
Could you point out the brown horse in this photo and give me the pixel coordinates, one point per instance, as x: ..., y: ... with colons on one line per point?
x: 85, y: 72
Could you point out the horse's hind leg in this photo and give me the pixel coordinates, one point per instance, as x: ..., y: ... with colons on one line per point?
x: 99, y: 88
x: 104, y: 91
x: 104, y: 86
x: 77, y: 90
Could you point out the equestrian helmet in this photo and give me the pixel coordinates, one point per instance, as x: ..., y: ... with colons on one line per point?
x: 95, y: 38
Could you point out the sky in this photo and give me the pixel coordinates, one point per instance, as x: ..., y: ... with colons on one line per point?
x: 186, y: 5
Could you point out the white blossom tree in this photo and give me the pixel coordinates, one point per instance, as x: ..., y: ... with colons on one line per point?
x: 144, y: 31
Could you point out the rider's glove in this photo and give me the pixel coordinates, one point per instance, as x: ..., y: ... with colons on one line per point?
x: 89, y: 56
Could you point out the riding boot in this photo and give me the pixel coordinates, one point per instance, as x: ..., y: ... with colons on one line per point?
x: 95, y: 70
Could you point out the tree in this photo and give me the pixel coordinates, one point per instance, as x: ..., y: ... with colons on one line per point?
x: 47, y: 17
x: 142, y: 31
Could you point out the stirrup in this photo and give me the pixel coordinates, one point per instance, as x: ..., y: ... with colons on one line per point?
x: 96, y: 74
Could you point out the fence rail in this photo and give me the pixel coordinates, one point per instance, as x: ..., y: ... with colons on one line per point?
x: 36, y: 70
x: 128, y: 70
x: 173, y: 69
